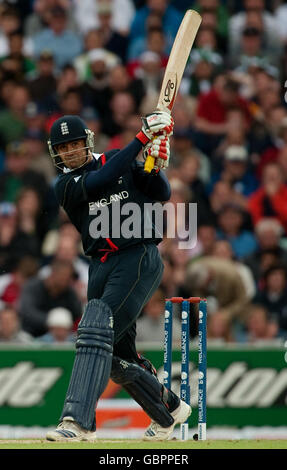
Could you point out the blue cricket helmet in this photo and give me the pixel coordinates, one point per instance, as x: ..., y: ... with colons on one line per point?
x: 67, y: 129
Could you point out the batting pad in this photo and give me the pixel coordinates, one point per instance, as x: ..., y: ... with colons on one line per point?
x: 144, y: 388
x: 92, y: 365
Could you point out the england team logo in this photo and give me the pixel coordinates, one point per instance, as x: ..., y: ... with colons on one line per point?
x: 64, y: 128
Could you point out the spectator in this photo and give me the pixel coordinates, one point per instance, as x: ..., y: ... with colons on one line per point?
x: 16, y: 59
x: 250, y: 48
x: 269, y: 200
x: 150, y: 327
x: 282, y: 162
x: 32, y: 220
x: 17, y: 174
x: 224, y: 194
x: 70, y: 102
x: 43, y: 83
x: 236, y: 171
x: 276, y: 120
x: 40, y: 160
x: 122, y: 139
x: 39, y: 296
x: 221, y: 17
x: 149, y: 70
x: 95, y: 90
x: 94, y: 46
x: 171, y: 19
x: 269, y: 99
x: 113, y: 40
x: 35, y: 117
x: 188, y: 172
x: 13, y: 116
x: 10, y: 22
x: 10, y: 327
x: 68, y: 251
x: 199, y: 76
x: 237, y: 135
x: 179, y: 259
x: 122, y: 106
x: 67, y: 80
x: 181, y: 141
x: 178, y: 223
x: 224, y: 96
x: 63, y: 229
x: 223, y: 249
x: 120, y: 81
x: 93, y: 39
x: 264, y: 78
x: 38, y: 19
x: 219, y: 329
x: 8, y: 84
x: 86, y: 14
x: 268, y: 233
x: 92, y: 119
x: 206, y: 239
x: 11, y: 283
x: 230, y: 222
x: 213, y: 106
x: 57, y: 36
x: 211, y: 276
x: 182, y: 146
x: 23, y: 8
x: 14, y: 243
x: 168, y: 283
x: 280, y: 14
x: 254, y: 15
x: 206, y: 37
x: 154, y: 41
x: 273, y: 295
x: 59, y: 324
x: 259, y: 327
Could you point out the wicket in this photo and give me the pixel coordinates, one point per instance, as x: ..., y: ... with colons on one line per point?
x: 202, y: 357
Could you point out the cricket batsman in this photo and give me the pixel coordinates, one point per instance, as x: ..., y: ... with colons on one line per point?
x: 123, y: 275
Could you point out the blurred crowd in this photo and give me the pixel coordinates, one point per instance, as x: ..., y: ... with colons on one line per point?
x: 104, y: 60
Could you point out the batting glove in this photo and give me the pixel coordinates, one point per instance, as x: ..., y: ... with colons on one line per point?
x: 159, y: 149
x: 158, y: 122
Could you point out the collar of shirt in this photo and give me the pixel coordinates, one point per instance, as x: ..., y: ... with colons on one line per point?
x: 92, y: 165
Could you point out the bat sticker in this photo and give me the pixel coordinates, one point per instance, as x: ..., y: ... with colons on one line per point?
x: 168, y: 91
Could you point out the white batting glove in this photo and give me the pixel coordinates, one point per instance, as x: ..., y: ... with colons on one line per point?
x: 159, y: 149
x: 158, y: 122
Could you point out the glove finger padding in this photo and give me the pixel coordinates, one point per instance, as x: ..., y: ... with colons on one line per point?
x: 160, y: 164
x: 159, y: 149
x: 157, y: 123
x: 169, y: 130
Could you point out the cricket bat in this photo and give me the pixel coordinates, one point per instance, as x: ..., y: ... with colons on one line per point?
x: 175, y: 67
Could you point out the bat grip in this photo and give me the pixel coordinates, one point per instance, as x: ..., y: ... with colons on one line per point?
x: 149, y: 164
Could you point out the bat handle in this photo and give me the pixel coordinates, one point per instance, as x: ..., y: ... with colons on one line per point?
x: 149, y: 164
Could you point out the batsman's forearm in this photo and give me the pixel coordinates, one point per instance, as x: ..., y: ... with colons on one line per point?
x: 113, y: 169
x: 155, y: 186
x: 161, y: 189
x: 158, y: 187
